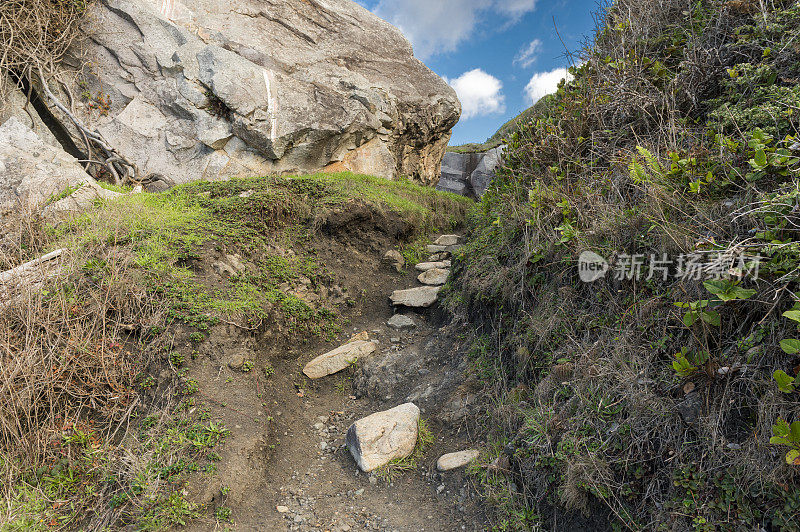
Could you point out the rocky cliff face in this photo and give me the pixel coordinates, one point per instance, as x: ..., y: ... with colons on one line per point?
x: 208, y: 89
x: 469, y: 174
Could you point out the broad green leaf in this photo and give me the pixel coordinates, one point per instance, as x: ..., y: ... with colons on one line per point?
x: 792, y: 315
x: 781, y: 428
x: 711, y: 317
x: 790, y: 346
x: 793, y: 457
x: 795, y: 432
x: 785, y: 384
x: 742, y: 293
x: 717, y: 286
x: 779, y: 440
x: 689, y: 318
x: 760, y: 159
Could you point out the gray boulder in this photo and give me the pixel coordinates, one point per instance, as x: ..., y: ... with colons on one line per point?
x: 376, y: 440
x: 469, y: 174
x: 32, y: 172
x: 210, y: 89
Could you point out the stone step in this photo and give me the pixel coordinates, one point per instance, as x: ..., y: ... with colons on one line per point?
x: 338, y: 359
x: 434, y: 277
x: 447, y: 240
x: 421, y: 297
x: 425, y: 266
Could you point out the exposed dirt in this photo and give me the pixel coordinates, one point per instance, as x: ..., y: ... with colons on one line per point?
x: 286, y: 447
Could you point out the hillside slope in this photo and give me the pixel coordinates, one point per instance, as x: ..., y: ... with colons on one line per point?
x: 662, y: 395
x: 150, y: 374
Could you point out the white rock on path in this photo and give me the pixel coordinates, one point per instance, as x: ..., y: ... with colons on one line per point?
x: 447, y: 240
x: 400, y: 322
x: 338, y: 359
x: 455, y: 460
x: 425, y: 266
x: 423, y: 296
x: 434, y: 277
x: 376, y: 440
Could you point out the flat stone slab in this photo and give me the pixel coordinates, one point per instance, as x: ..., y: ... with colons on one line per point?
x: 400, y: 322
x: 421, y: 297
x: 450, y: 461
x: 434, y: 277
x: 435, y: 248
x: 376, y: 440
x: 447, y: 240
x: 338, y: 359
x: 425, y: 266
x: 439, y: 257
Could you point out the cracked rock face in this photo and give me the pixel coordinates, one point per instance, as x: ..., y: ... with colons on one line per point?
x: 32, y: 172
x: 210, y: 89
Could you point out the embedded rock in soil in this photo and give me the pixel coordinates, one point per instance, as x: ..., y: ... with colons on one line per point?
x: 338, y: 359
x: 447, y: 240
x: 421, y: 297
x: 80, y: 200
x: 376, y: 440
x: 206, y: 89
x: 455, y: 460
x: 434, y: 277
x: 395, y: 256
x: 400, y: 322
x: 425, y: 266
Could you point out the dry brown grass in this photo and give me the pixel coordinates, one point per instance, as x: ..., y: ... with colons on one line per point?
x: 36, y: 34
x: 65, y: 357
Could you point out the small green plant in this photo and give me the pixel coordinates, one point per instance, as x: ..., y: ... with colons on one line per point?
x: 687, y: 363
x: 197, y: 337
x: 787, y: 435
x: 177, y: 359
x: 424, y: 440
x: 269, y: 371
x: 698, y: 310
x: 248, y: 366
x: 191, y: 387
x: 223, y: 513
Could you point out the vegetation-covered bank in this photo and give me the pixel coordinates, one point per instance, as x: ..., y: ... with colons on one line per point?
x: 102, y: 418
x: 662, y: 395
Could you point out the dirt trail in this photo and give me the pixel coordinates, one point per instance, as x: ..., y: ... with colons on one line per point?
x: 285, y: 466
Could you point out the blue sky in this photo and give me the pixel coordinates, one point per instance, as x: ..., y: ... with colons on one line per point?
x: 499, y: 55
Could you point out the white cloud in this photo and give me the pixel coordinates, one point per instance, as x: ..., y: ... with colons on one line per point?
x: 439, y: 26
x: 528, y: 55
x: 480, y: 93
x: 515, y: 8
x: 544, y: 83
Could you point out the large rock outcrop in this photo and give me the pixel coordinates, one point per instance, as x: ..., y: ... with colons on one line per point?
x: 33, y: 172
x: 209, y: 89
x: 469, y: 174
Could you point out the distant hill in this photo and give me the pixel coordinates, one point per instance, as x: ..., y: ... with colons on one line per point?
x: 507, y: 129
